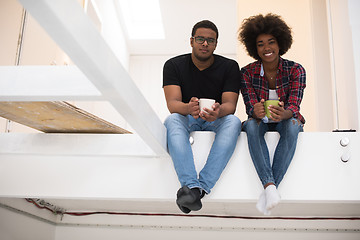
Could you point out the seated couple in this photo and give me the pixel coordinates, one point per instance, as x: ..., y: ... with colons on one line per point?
x: 203, y: 74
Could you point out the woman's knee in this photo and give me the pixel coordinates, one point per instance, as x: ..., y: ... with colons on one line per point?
x: 294, y: 126
x: 252, y: 125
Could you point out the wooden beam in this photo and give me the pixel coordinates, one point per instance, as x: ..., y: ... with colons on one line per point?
x: 66, y: 22
x: 56, y: 117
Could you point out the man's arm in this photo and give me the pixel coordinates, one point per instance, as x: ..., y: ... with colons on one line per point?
x: 229, y: 101
x: 175, y: 105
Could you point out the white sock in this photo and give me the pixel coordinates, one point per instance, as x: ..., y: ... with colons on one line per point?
x: 272, y: 197
x: 261, y: 204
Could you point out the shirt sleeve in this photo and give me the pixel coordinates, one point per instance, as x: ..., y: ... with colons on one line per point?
x: 247, y: 91
x: 298, y: 84
x: 170, y: 74
x: 232, y: 83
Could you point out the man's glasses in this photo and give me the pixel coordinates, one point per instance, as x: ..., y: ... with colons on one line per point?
x: 201, y: 40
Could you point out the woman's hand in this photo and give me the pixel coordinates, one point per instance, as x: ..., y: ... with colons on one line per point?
x: 259, y: 110
x: 278, y: 113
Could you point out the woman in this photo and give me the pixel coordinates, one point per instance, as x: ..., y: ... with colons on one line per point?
x: 266, y: 39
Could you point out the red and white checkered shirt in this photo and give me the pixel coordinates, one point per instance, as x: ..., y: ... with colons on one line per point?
x: 290, y: 85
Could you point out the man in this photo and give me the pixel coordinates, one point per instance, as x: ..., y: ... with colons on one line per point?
x: 186, y: 79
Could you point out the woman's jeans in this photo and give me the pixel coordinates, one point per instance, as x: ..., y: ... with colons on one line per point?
x: 179, y: 127
x: 284, y: 152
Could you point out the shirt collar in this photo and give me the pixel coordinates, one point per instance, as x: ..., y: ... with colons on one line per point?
x: 262, y: 72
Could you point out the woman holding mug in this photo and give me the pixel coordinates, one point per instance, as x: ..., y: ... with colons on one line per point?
x: 271, y: 77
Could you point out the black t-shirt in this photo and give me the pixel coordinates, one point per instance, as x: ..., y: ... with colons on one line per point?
x: 222, y: 76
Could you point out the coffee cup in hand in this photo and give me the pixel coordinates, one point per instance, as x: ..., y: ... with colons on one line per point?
x: 267, y: 104
x: 206, y: 103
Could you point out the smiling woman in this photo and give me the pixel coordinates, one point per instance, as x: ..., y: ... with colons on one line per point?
x: 271, y: 77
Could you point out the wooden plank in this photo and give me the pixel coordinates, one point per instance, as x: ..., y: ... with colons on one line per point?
x: 56, y: 117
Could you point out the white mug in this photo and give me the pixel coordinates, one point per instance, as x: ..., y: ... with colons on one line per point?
x: 206, y: 103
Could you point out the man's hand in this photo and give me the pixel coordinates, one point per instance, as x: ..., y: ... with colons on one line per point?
x: 193, y: 107
x: 210, y: 115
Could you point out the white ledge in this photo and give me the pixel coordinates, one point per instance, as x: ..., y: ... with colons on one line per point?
x: 74, y: 145
x: 87, y: 166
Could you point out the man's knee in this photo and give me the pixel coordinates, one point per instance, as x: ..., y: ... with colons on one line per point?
x: 232, y: 123
x: 233, y: 120
x: 174, y: 117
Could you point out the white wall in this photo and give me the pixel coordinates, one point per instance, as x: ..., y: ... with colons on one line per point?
x: 112, y: 30
x: 10, y: 11
x: 343, y: 62
x: 354, y: 9
x: 146, y: 71
x: 325, y: 103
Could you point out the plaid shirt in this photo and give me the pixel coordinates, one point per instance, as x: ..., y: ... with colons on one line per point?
x: 290, y: 84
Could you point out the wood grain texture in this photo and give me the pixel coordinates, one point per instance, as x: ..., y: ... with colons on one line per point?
x: 56, y: 117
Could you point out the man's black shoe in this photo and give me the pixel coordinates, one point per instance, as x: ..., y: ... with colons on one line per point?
x: 184, y: 209
x: 188, y: 199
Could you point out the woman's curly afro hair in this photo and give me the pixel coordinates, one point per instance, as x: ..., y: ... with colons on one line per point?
x: 271, y: 24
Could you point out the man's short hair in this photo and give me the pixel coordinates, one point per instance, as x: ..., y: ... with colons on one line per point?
x: 205, y: 24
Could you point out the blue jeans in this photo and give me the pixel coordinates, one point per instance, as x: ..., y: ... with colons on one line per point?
x: 179, y: 127
x: 284, y: 152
